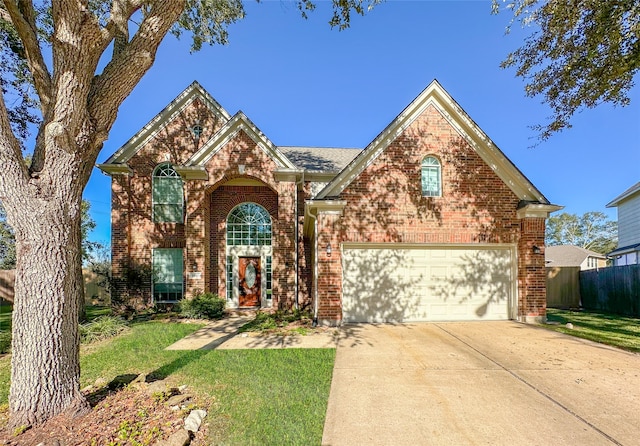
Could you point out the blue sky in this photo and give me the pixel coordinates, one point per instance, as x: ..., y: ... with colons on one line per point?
x: 303, y: 83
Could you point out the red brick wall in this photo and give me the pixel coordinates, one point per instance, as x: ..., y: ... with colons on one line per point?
x: 208, y: 203
x: 385, y: 204
x: 532, y: 280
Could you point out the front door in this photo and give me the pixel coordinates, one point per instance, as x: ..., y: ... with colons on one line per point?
x: 249, y: 281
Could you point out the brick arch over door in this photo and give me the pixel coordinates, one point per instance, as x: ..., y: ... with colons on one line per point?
x: 221, y: 201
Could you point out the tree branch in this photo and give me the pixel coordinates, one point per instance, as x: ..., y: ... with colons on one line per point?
x: 14, y: 171
x: 22, y: 16
x: 127, y: 67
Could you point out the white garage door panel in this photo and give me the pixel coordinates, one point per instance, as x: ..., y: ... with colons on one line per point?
x: 436, y: 284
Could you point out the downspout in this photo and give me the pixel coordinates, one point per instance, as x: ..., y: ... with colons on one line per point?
x: 295, y: 235
x: 315, y: 263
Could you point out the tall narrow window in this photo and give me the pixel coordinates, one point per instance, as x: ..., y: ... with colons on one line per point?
x: 269, y: 278
x: 168, y: 201
x: 229, y: 277
x: 167, y: 274
x: 431, y: 177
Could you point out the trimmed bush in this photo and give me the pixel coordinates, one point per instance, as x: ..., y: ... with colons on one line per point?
x: 203, y: 306
x: 100, y: 328
x: 5, y: 341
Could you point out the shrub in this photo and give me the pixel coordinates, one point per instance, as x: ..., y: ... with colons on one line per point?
x: 5, y: 341
x: 203, y: 306
x: 102, y: 327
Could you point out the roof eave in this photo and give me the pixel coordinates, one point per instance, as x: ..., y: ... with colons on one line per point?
x: 436, y: 95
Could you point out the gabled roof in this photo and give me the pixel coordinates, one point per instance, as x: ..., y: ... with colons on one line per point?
x: 633, y: 190
x: 435, y: 95
x: 164, y: 118
x: 568, y: 255
x: 624, y: 250
x: 239, y: 122
x: 320, y: 159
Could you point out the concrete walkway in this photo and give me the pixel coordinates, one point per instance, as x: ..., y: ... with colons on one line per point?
x: 223, y: 335
x: 483, y: 383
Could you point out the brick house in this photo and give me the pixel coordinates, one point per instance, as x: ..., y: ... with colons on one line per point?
x: 430, y: 221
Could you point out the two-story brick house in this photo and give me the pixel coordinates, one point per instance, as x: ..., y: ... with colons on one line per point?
x: 430, y: 221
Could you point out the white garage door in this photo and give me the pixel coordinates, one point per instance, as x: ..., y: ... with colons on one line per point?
x: 409, y: 284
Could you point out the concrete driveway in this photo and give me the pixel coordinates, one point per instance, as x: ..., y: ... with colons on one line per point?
x: 480, y: 383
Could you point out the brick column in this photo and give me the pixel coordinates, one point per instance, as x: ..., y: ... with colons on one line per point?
x: 329, y: 270
x: 120, y: 231
x: 284, y: 247
x: 532, y: 285
x: 196, y: 252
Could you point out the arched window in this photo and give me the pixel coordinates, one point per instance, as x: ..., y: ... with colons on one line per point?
x: 249, y: 224
x: 168, y: 201
x: 431, y: 177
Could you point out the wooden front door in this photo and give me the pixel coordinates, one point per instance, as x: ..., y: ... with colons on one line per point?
x: 249, y: 281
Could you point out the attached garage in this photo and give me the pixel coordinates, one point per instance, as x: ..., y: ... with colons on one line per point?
x: 410, y: 283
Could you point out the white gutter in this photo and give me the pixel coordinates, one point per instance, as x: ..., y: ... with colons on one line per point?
x: 296, y: 242
x: 315, y: 260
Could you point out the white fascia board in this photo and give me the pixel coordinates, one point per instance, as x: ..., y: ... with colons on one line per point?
x: 239, y: 122
x: 115, y: 169
x: 326, y: 206
x: 192, y: 172
x: 537, y: 210
x: 164, y: 118
x: 313, y: 208
x: 288, y: 174
x: 436, y: 96
x: 624, y: 196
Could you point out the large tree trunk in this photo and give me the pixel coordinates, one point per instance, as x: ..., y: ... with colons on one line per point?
x: 45, y: 363
x: 42, y: 202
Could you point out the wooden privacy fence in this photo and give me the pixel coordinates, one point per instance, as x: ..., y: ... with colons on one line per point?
x: 563, y: 287
x: 615, y: 289
x: 94, y: 294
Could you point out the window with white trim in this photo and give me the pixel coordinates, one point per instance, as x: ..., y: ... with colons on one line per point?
x: 167, y: 195
x: 431, y: 177
x: 249, y: 224
x: 168, y: 266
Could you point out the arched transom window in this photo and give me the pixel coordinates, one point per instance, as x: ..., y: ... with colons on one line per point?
x: 249, y: 224
x: 168, y: 200
x: 431, y: 177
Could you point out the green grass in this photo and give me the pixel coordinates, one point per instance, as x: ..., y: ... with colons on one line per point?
x: 610, y: 329
x: 262, y: 397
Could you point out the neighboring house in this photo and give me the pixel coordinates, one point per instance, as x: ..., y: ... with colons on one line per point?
x: 628, y: 204
x: 568, y: 255
x: 430, y: 221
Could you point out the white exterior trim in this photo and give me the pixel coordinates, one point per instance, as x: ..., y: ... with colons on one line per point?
x: 164, y: 118
x: 436, y: 96
x: 238, y: 123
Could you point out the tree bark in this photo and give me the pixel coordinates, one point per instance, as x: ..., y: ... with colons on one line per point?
x: 45, y: 363
x: 43, y: 202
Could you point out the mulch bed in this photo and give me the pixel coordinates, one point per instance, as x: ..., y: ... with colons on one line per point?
x: 127, y: 416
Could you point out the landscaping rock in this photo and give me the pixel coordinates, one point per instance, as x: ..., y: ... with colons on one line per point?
x: 194, y: 420
x: 179, y: 438
x: 157, y: 387
x: 100, y: 382
x: 177, y: 400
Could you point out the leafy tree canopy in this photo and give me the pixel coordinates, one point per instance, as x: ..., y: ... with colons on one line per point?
x: 67, y: 66
x: 580, y: 54
x: 592, y: 230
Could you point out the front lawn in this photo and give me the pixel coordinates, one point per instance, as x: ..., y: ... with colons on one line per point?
x: 610, y: 329
x: 266, y: 397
